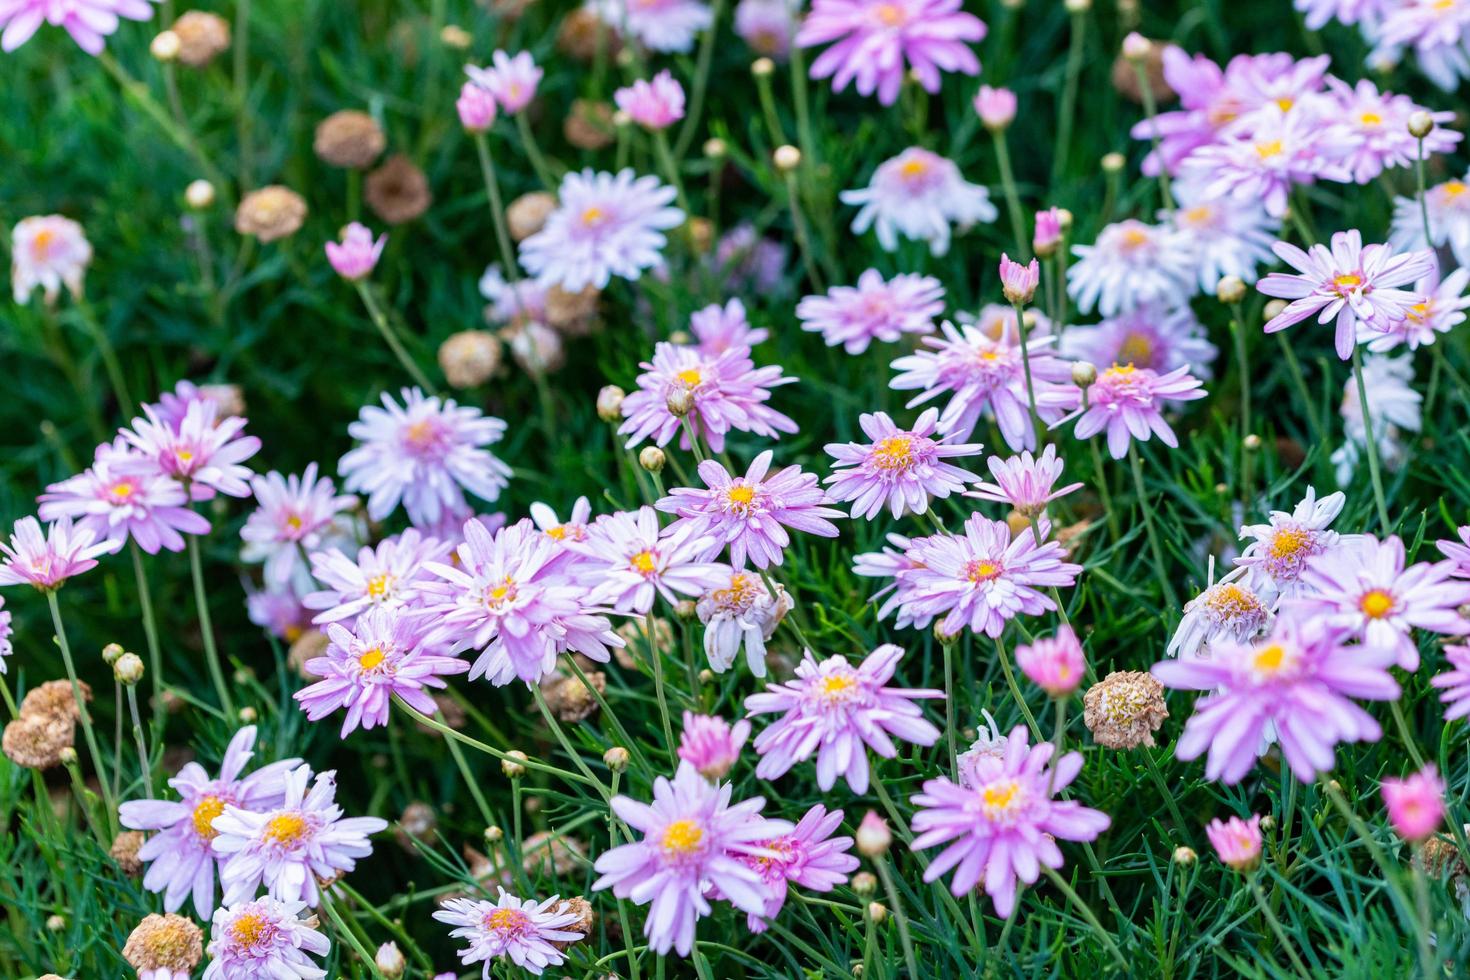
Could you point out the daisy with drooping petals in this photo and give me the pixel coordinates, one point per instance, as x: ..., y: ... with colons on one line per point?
x: 1366, y: 590
x: 806, y: 857
x: 1025, y: 481
x: 511, y: 80
x: 523, y: 931
x: 1237, y: 842
x: 1448, y: 205
x: 666, y: 26
x: 984, y: 376
x: 1439, y: 306
x: 982, y: 578
x: 989, y: 744
x: 1129, y: 265
x: 265, y: 938
x: 424, y: 453
x: 692, y: 838
x: 193, y: 444
x: 292, y: 515
x: 1279, y: 549
x: 1299, y: 681
x: 1228, y: 611
x: 726, y: 392
x: 880, y: 42
x: 604, y: 225
x: 839, y: 712
x: 390, y: 576
x: 1415, y: 804
x: 1225, y: 238
x: 918, y: 194
x: 1454, y: 684
x: 630, y: 561
x: 899, y: 469
x: 874, y: 309
x: 1146, y: 337
x: 181, y: 861
x: 1128, y: 403
x: 46, y: 559
x: 1005, y: 826
x: 116, y: 504
x: 47, y: 250
x: 1352, y: 284
x: 711, y: 744
x: 720, y: 328
x: 383, y: 656
x: 652, y: 104
x: 740, y: 612
x: 290, y: 848
x: 750, y: 513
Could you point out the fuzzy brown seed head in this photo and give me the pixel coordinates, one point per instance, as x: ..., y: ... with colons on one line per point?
x: 571, y: 700
x: 417, y: 823
x: 586, y: 918
x: 589, y: 125
x: 349, y: 138
x: 527, y: 214
x: 270, y: 213
x: 398, y: 191
x: 165, y: 942
x: 1124, y: 709
x: 55, y: 698
x: 202, y: 37
x: 470, y: 358
x: 546, y: 853
x: 37, y: 741
x: 578, y: 35
x: 308, y: 646
x: 124, y: 851
x: 572, y: 314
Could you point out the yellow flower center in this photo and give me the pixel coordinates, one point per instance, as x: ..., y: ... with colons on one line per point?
x: 913, y: 169
x: 184, y: 456
x: 371, y: 658
x: 122, y: 491
x: 1269, y: 659
x: 294, y: 522
x: 378, y: 585
x: 1266, y: 149
x: 982, y: 571
x: 204, y: 813
x: 556, y: 533
x: 1230, y: 600
x: 682, y: 838
x: 890, y: 14
x: 420, y: 433
x: 593, y: 216
x: 894, y: 453
x: 497, y: 594
x: 1289, y: 542
x: 1286, y: 102
x: 1371, y: 119
x: 1454, y: 188
x: 1137, y: 349
x: 740, y: 495
x: 835, y: 688
x: 643, y: 562
x: 287, y: 829
x: 1348, y: 280
x: 690, y: 377
x: 1199, y: 215
x: 41, y: 244
x: 1376, y: 604
x: 1000, y: 798
x: 1134, y: 238
x: 249, y: 929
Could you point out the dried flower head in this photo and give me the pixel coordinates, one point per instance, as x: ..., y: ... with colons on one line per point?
x: 1124, y: 709
x: 270, y: 213
x: 570, y: 699
x: 37, y: 741
x: 586, y: 918
x: 528, y: 213
x: 416, y: 824
x: 398, y: 191
x: 571, y: 313
x: 350, y: 139
x: 203, y: 36
x: 124, y: 851
x: 470, y: 358
x: 54, y: 699
x: 164, y: 947
x: 589, y: 125
x: 551, y: 853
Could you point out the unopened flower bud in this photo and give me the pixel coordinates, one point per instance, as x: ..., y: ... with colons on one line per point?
x: 944, y: 636
x: 621, y: 119
x: 1185, y: 856
x: 706, y: 677
x: 55, y: 923
x: 1231, y: 289
x: 1251, y: 442
x: 716, y: 148
x: 1084, y: 373
x: 511, y: 766
x: 166, y: 46
x: 1136, y: 47
x: 1077, y: 6
x: 456, y: 37
x: 651, y: 459
x: 762, y: 67
x: 873, y: 836
x: 1065, y: 219
x: 1268, y: 823
x: 684, y: 609
x: 680, y: 402
x: 877, y: 912
x: 864, y: 883
x: 610, y: 403
x: 199, y: 194
x: 1273, y: 309
x: 68, y: 756
x: 248, y: 715
x: 616, y: 758
x: 1113, y: 163
x: 1421, y: 124
x: 493, y: 834
x: 111, y: 652
x: 128, y: 669
x: 786, y: 158
x: 390, y: 961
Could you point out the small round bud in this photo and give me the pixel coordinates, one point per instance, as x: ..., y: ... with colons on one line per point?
x: 616, y: 758
x: 1221, y: 489
x: 1077, y: 6
x: 1064, y: 220
x: 456, y: 37
x: 1136, y: 47
x: 1084, y: 373
x: 1268, y: 823
x: 680, y: 402
x: 1113, y: 163
x: 1185, y: 856
x: 199, y: 194
x: 248, y: 715
x: 621, y: 119
x: 511, y: 766
x: 706, y: 677
x: 610, y: 403
x: 1421, y: 124
x: 493, y: 834
x: 762, y: 67
x: 1231, y: 289
x: 681, y: 338
x: 864, y: 883
x: 55, y: 923
x: 786, y: 158
x: 873, y: 836
x: 68, y: 756
x: 716, y: 148
x: 1333, y: 786
x: 1273, y: 309
x: 128, y: 669
x: 166, y: 46
x: 111, y: 652
x: 390, y: 961
x: 244, y: 675
x: 877, y: 912
x: 1251, y: 442
x: 684, y: 609
x: 651, y: 459
x: 944, y: 636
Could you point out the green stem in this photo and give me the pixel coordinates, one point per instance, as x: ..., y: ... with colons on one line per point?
x: 375, y: 313
x: 343, y: 930
x: 206, y: 628
x: 497, y: 211
x: 701, y: 81
x: 1103, y: 492
x: 655, y: 661
x: 566, y: 744
x: 1086, y: 912
x: 144, y: 760
x: 1067, y: 107
x: 494, y: 753
x: 1005, y: 666
x: 803, y: 239
x: 1037, y: 428
x: 1013, y: 197
x: 243, y: 119
x: 110, y: 362
x: 1276, y: 930
x: 949, y: 726
x: 83, y: 713
x: 881, y: 863
x: 1148, y: 524
x: 1150, y: 111
x: 533, y: 152
x: 471, y: 783
x: 1299, y: 382
x: 150, y: 625
x: 1374, y: 464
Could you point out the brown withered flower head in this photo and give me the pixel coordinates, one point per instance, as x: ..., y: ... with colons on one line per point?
x: 586, y: 919
x: 1124, y: 709
x: 55, y: 698
x: 527, y: 214
x: 398, y: 191
x: 1125, y: 77
x: 572, y: 314
x: 350, y: 139
x: 170, y: 945
x: 545, y: 853
x: 202, y: 37
x: 270, y: 213
x: 589, y: 126
x: 310, y: 644
x: 578, y: 35
x: 571, y: 700
x: 416, y: 824
x: 124, y: 851
x: 37, y: 741
x: 470, y: 358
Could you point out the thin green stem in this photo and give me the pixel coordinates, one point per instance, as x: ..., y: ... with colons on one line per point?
x: 701, y: 81
x: 1299, y: 382
x: 84, y: 714
x: 1148, y: 523
x: 881, y: 863
x: 1086, y: 912
x: 110, y: 363
x: 1375, y: 465
x: 1276, y: 930
x: 803, y: 238
x: 244, y: 119
x: 566, y: 743
x: 380, y: 320
x: 948, y: 645
x: 1013, y: 197
x: 1427, y: 962
x: 144, y: 760
x: 1423, y: 194
x: 462, y: 764
x: 206, y: 628
x: 494, y: 753
x: 533, y: 153
x: 1114, y: 531
x: 329, y: 906
x: 1036, y: 426
x: 1005, y: 666
x: 1067, y: 107
x: 1406, y: 735
x: 1150, y: 112
x: 150, y: 625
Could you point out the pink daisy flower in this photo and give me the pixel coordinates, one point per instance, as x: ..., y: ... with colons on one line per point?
x: 277, y: 610
x: 1224, y: 236
x: 1128, y: 403
x: 357, y: 254
x: 198, y: 447
x: 874, y: 309
x: 1415, y: 804
x: 88, y: 22
x: 1132, y: 264
x: 1376, y: 128
x: 878, y: 42
x: 900, y: 468
x: 476, y: 107
x: 838, y: 712
x: 425, y: 454
x: 1148, y: 336
x: 522, y: 931
x: 265, y: 938
x: 1367, y: 590
x: 692, y: 837
x: 750, y: 513
x: 292, y: 515
x: 720, y: 328
x: 1280, y: 549
x: 652, y: 104
x: 390, y: 576
x: 1458, y: 551
x: 511, y: 80
x: 1299, y: 681
x: 1004, y: 827
x: 47, y: 559
x: 7, y: 647
x: 630, y: 561
x: 808, y: 856
x: 984, y: 376
x: 384, y: 655
x: 920, y: 195
x: 766, y: 26
x: 290, y: 847
x: 1439, y: 307
x: 667, y: 26
x: 1262, y: 163
x: 740, y: 612
x: 1237, y: 842
x: 181, y: 861
x: 47, y: 250
x: 1054, y: 664
x: 116, y: 503
x: 982, y: 578
x: 1352, y: 284
x: 1454, y: 684
x: 711, y: 744
x: 1025, y: 482
x: 726, y: 391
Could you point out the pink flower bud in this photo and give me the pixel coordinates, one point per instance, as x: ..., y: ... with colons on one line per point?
x: 1415, y: 804
x: 873, y: 836
x: 996, y: 107
x: 1019, y: 281
x: 357, y: 254
x: 1236, y: 842
x: 476, y: 107
x: 653, y: 105
x: 1048, y: 231
x: 1055, y: 665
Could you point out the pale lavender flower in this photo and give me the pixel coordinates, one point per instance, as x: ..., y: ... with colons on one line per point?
x: 692, y: 837
x: 1025, y: 482
x: 1264, y: 162
x: 1279, y: 549
x: 1131, y: 264
x: 1458, y: 551
x: 740, y: 612
x: 1224, y: 237
x: 48, y: 251
x: 874, y: 309
x: 918, y: 194
x: 1147, y: 336
x: 357, y: 254
x: 880, y: 42
x: 727, y: 392
x: 292, y: 515
x: 390, y: 576
x: 807, y: 856
x: 1448, y: 205
x: 198, y: 448
x: 277, y: 610
x: 46, y: 559
x: 526, y: 932
x: 1454, y: 683
x: 996, y: 107
x: 630, y: 561
x: 88, y: 22
x: 666, y: 26
x: 289, y: 847
x: 1128, y: 403
x: 511, y: 80
x: 116, y: 502
x: 652, y: 104
x: 476, y: 107
x: 1375, y: 127
x: 7, y: 646
x: 181, y: 862
x: 1439, y: 307
x: 719, y: 328
x: 1316, y: 13
x: 711, y: 744
x: 899, y: 468
x: 839, y: 712
x: 263, y: 939
x: 766, y: 26
x: 425, y: 454
x: 1229, y: 610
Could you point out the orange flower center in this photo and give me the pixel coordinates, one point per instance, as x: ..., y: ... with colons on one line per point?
x: 643, y: 563
x: 287, y: 829
x: 894, y: 453
x: 204, y: 813
x: 682, y: 838
x: 1376, y: 604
